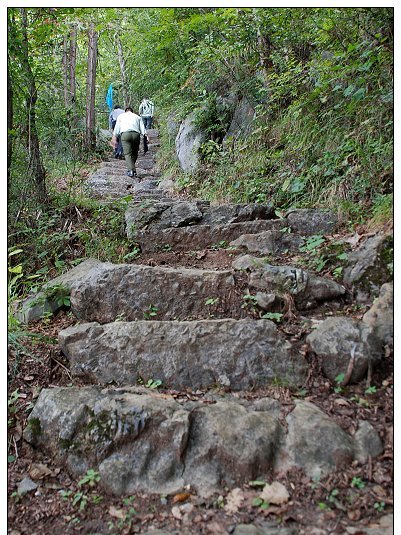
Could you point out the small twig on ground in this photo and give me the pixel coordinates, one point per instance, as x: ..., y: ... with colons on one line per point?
x: 350, y: 368
x: 62, y: 366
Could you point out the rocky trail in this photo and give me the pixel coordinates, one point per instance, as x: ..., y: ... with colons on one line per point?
x: 220, y: 383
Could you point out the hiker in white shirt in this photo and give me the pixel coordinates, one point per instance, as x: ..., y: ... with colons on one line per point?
x: 146, y: 110
x: 130, y: 126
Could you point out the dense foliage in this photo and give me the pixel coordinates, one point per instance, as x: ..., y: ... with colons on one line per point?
x: 319, y: 79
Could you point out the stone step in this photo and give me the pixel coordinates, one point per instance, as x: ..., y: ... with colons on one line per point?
x: 103, y: 292
x: 128, y: 291
x: 191, y: 238
x: 144, y: 441
x: 240, y: 354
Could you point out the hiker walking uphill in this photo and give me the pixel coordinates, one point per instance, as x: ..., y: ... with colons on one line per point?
x: 146, y: 111
x: 118, y: 150
x: 130, y: 126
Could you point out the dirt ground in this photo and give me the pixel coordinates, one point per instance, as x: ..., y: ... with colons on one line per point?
x: 357, y: 496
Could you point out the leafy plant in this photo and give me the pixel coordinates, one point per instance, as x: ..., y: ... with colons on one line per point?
x: 339, y: 379
x: 153, y: 384
x: 81, y: 499
x: 211, y: 301
x: 150, y: 312
x: 91, y: 478
x: 274, y: 316
x: 379, y: 506
x: 260, y: 502
x: 223, y: 244
x: 357, y: 483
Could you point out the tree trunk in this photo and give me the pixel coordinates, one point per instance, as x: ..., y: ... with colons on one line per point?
x: 35, y: 158
x: 72, y: 65
x: 90, y: 136
x: 264, y: 47
x: 10, y: 112
x: 65, y: 71
x: 123, y: 70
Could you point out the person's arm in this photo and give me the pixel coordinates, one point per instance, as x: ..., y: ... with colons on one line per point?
x: 140, y: 108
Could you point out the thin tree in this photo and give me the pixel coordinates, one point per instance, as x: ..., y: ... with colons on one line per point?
x: 90, y: 136
x: 35, y: 158
x: 123, y: 70
x: 72, y: 60
x: 10, y: 113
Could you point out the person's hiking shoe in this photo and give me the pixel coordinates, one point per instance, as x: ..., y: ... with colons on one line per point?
x: 132, y: 173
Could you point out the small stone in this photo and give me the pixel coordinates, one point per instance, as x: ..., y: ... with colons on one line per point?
x: 26, y: 485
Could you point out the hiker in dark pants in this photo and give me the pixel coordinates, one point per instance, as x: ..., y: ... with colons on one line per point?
x: 146, y: 111
x: 118, y: 151
x: 130, y: 126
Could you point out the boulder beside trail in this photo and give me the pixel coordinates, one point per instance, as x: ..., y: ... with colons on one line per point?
x: 346, y: 346
x: 370, y: 266
x: 306, y: 289
x: 187, y: 143
x: 309, y: 221
x: 381, y: 315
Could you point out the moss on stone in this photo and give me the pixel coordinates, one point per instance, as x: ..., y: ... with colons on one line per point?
x: 35, y: 427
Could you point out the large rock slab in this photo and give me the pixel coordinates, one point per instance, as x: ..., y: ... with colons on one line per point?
x: 129, y: 291
x: 269, y: 242
x: 345, y: 345
x: 381, y: 315
x: 199, y: 236
x: 229, y: 443
x: 314, y: 442
x: 306, y: 289
x: 236, y: 213
x: 141, y: 441
x: 187, y: 143
x: 370, y: 266
x: 241, y: 123
x: 239, y: 354
x: 161, y: 215
x: 309, y: 221
x: 154, y: 215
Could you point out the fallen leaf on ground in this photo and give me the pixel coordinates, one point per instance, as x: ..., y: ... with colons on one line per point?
x: 275, y: 493
x: 39, y: 471
x: 116, y: 513
x: 181, y: 497
x: 234, y: 501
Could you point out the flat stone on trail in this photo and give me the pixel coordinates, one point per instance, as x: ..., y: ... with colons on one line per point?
x: 240, y: 354
x: 131, y: 292
x: 199, y: 236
